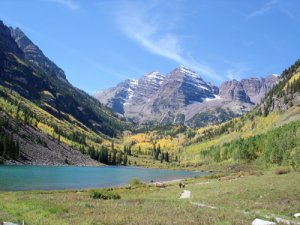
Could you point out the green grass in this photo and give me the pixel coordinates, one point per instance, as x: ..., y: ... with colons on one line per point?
x: 239, y: 198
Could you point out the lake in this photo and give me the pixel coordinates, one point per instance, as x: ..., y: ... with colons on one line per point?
x: 13, y: 178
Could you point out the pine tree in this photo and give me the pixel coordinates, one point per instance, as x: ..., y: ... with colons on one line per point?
x: 109, y: 160
x: 162, y: 157
x: 119, y: 158
x: 167, y: 157
x: 125, y: 158
x: 114, y: 158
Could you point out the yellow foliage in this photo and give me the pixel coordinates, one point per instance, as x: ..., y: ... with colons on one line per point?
x: 295, y: 77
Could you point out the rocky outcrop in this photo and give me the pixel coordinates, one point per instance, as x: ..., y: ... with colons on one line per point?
x: 250, y: 90
x: 35, y: 55
x: 256, y: 88
x: 7, y: 43
x: 233, y: 90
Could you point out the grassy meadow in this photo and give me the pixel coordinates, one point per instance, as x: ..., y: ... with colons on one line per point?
x: 233, y: 198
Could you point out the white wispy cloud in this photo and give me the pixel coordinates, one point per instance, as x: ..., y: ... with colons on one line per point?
x: 110, y: 71
x: 71, y: 4
x: 236, y: 71
x: 267, y: 7
x: 234, y: 74
x: 272, y: 4
x: 150, y: 27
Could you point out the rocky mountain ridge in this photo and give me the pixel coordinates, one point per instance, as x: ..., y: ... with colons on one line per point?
x: 182, y: 96
x: 34, y: 55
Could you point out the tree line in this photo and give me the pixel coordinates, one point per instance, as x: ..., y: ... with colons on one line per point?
x: 9, y: 146
x: 280, y: 146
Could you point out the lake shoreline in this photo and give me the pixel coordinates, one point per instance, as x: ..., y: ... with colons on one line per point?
x: 31, y: 178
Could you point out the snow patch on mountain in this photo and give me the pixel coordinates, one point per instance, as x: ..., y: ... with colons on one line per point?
x: 188, y: 71
x: 131, y: 88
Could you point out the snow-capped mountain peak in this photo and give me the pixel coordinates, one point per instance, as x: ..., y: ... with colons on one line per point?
x: 188, y: 71
x: 154, y: 77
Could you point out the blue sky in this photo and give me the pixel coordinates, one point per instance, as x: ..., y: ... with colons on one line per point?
x: 100, y: 43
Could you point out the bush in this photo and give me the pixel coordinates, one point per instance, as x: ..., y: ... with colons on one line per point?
x: 215, y: 176
x: 136, y: 182
x: 282, y: 170
x: 104, y: 195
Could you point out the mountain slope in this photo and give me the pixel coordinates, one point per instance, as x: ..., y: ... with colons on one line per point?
x: 34, y: 55
x: 45, y: 119
x: 41, y: 81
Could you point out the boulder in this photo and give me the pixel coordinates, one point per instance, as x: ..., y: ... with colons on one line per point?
x: 262, y: 222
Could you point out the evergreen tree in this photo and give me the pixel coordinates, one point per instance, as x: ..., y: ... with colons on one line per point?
x: 114, y: 158
x: 125, y: 159
x: 167, y: 157
x: 119, y: 158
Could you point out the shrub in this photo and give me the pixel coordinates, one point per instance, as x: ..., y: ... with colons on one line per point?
x: 104, y: 195
x: 216, y: 176
x: 136, y: 182
x: 282, y: 170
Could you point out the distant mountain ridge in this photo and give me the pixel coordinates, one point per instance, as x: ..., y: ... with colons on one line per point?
x: 183, y: 97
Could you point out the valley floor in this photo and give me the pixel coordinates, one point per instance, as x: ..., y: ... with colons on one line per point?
x: 237, y: 198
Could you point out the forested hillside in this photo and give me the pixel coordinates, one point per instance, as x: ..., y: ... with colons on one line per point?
x: 35, y: 94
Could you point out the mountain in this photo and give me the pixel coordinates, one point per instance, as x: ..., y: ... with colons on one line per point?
x: 146, y: 87
x: 116, y: 97
x: 234, y: 91
x: 267, y: 135
x: 37, y: 99
x: 285, y: 94
x: 183, y: 97
x: 34, y: 55
x: 30, y: 73
x: 248, y: 90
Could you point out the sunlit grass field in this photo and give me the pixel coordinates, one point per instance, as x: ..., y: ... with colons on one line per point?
x: 236, y: 198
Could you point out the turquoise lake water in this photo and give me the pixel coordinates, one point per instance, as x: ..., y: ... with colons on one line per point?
x: 13, y: 178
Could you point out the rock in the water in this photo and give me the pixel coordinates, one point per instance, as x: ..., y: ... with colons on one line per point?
x: 262, y: 222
